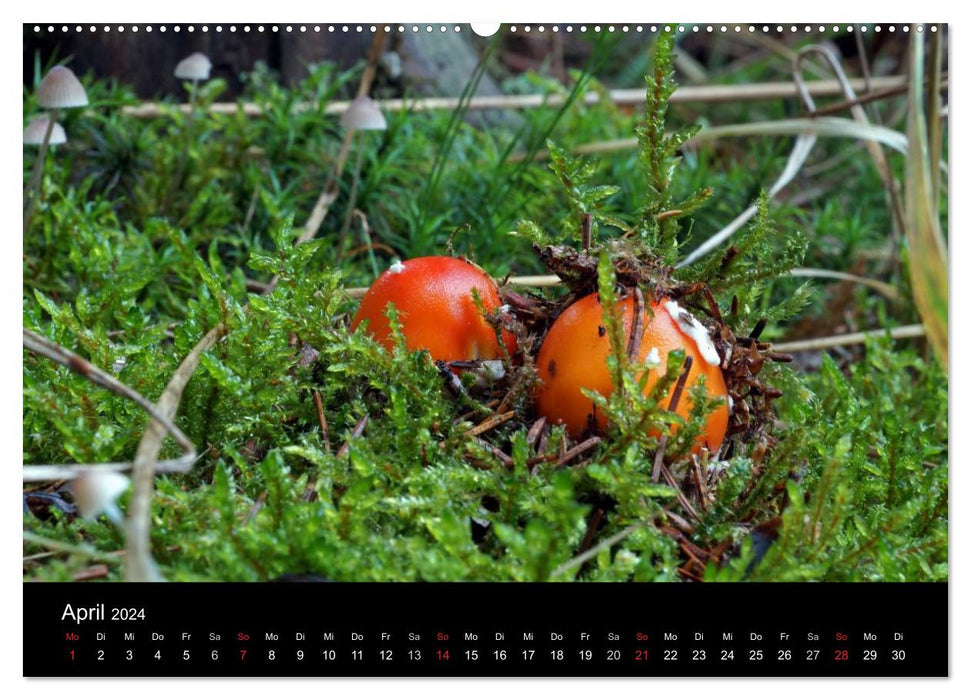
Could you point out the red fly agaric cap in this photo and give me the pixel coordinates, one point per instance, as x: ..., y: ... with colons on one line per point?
x: 363, y: 114
x: 61, y: 88
x: 35, y: 131
x: 194, y: 67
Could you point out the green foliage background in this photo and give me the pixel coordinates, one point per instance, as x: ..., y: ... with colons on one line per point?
x: 122, y: 264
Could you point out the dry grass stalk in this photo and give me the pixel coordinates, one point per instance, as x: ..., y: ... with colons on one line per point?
x: 685, y: 94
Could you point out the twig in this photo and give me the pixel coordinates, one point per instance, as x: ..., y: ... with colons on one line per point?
x: 662, y: 444
x: 356, y: 432
x: 901, y: 332
x: 139, y: 564
x: 684, y: 94
x: 591, y: 553
x: 322, y: 419
x: 490, y: 423
x: 595, y: 519
x: 578, y: 450
x: 255, y: 508
x: 37, y: 343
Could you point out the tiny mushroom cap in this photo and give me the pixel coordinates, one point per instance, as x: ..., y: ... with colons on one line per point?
x: 364, y: 114
x: 36, y: 130
x: 194, y: 67
x: 96, y: 490
x: 61, y: 88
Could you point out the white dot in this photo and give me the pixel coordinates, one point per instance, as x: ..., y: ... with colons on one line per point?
x: 120, y: 29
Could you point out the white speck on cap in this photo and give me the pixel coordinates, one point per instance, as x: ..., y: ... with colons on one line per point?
x: 61, y: 88
x: 653, y: 357
x: 692, y: 328
x: 397, y: 267
x: 96, y: 490
x: 363, y: 114
x: 193, y: 67
x: 34, y: 133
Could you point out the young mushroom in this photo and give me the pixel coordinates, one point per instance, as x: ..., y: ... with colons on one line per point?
x: 60, y: 89
x: 195, y: 67
x: 96, y: 491
x: 36, y: 132
x: 363, y: 114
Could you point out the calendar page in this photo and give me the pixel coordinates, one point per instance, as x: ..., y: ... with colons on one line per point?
x: 547, y: 349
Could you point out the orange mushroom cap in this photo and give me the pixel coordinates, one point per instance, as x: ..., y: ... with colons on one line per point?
x: 574, y: 357
x: 436, y: 309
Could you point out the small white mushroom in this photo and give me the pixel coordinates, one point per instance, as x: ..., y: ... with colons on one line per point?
x: 95, y: 492
x: 37, y: 129
x: 194, y: 67
x: 363, y: 114
x: 692, y: 328
x: 60, y: 88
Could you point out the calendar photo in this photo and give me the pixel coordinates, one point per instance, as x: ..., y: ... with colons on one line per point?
x: 469, y: 304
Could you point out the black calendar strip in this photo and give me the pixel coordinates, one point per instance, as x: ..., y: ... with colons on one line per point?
x: 341, y: 629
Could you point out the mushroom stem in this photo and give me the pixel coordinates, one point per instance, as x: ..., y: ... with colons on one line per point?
x: 351, y: 200
x: 33, y: 189
x: 189, y: 121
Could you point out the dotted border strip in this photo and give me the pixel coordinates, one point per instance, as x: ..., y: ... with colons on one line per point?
x: 514, y: 28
